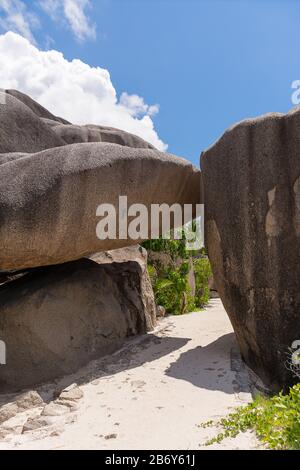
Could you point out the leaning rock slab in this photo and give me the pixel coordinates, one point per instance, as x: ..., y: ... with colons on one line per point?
x: 48, y: 200
x: 56, y: 319
x: 251, y: 180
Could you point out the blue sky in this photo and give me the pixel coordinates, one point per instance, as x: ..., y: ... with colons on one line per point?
x: 207, y: 63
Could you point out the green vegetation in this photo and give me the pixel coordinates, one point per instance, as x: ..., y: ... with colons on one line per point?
x: 170, y: 277
x: 172, y: 291
x: 174, y: 248
x: 276, y: 421
x: 203, y: 273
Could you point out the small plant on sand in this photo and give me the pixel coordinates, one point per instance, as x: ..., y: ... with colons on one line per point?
x: 275, y: 420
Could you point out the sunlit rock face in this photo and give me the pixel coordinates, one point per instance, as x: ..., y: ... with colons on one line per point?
x: 251, y: 179
x: 50, y: 188
x: 26, y: 126
x: 49, y: 200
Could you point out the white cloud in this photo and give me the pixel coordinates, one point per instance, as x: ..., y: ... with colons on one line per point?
x: 74, y: 12
x: 80, y: 24
x: 16, y: 17
x: 73, y: 90
x: 136, y: 105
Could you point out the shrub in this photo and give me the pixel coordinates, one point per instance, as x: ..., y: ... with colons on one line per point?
x: 175, y: 248
x: 172, y: 291
x: 202, y: 271
x: 152, y: 274
x: 276, y: 421
x: 170, y: 283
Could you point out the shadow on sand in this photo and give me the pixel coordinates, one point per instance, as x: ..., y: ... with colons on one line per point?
x: 217, y: 366
x: 208, y: 367
x: 134, y: 353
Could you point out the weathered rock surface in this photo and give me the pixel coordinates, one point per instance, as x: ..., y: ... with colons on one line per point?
x: 28, y: 413
x: 160, y: 311
x: 162, y: 261
x: 251, y: 182
x: 46, y: 130
x: 213, y: 291
x: 19, y: 404
x: 21, y: 130
x: 135, y: 253
x: 135, y: 258
x: 39, y: 110
x: 48, y: 200
x: 54, y: 320
x: 72, y: 134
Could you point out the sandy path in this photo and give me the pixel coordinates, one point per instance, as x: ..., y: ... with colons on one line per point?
x: 156, y: 391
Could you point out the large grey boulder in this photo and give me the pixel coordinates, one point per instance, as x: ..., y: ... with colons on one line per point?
x: 21, y: 130
x: 9, y: 157
x: 56, y: 319
x: 251, y: 180
x: 48, y: 200
x: 29, y: 127
x: 38, y: 109
x: 72, y: 134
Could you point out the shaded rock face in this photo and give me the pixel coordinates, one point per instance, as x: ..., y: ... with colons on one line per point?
x: 135, y: 255
x: 56, y: 319
x: 251, y: 182
x: 48, y: 200
x: 213, y: 292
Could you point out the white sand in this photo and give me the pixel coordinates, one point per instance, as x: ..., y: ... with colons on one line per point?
x: 156, y: 391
